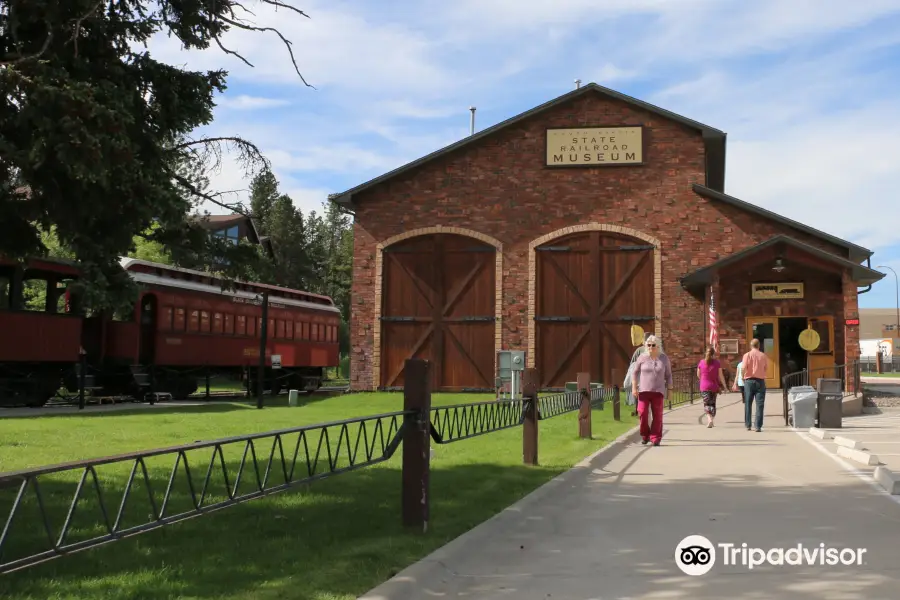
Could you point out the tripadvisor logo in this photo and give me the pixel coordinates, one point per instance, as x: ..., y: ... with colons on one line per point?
x: 696, y: 555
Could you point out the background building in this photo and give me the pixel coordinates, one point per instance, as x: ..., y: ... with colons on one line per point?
x: 558, y: 229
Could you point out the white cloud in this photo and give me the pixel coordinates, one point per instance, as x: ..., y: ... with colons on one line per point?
x: 245, y: 102
x: 333, y: 48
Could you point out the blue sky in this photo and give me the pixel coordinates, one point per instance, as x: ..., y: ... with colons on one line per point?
x: 807, y: 90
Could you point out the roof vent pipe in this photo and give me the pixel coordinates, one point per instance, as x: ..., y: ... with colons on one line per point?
x: 472, y: 121
x: 577, y: 83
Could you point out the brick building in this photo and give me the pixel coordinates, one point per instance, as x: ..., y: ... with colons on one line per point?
x: 557, y: 230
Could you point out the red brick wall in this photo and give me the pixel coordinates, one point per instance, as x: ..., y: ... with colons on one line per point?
x: 499, y: 186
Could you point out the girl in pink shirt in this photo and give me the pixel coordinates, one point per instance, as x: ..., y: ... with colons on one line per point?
x: 712, y: 381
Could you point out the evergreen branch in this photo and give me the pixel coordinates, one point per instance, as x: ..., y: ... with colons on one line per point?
x: 231, y: 52
x: 186, y: 183
x: 279, y: 4
x: 287, y: 43
x: 36, y: 55
x: 79, y: 21
x: 76, y: 31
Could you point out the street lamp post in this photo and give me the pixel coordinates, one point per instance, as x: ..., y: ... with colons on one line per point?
x: 897, y: 289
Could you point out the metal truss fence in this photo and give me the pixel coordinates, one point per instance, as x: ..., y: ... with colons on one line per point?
x: 64, y: 508
x: 57, y: 510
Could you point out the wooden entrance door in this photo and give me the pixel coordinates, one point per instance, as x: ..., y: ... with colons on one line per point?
x: 821, y: 361
x: 438, y: 303
x: 765, y: 329
x: 590, y: 289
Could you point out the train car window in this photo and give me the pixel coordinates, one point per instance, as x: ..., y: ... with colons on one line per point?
x: 240, y: 326
x: 178, y: 321
x: 217, y: 322
x: 204, y: 321
x: 229, y: 324
x: 289, y: 330
x: 333, y: 333
x: 251, y: 326
x: 315, y: 332
x: 194, y: 321
x: 271, y: 328
x: 280, y: 329
x: 165, y: 320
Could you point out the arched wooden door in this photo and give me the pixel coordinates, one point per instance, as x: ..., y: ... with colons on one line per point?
x: 590, y: 288
x: 438, y: 303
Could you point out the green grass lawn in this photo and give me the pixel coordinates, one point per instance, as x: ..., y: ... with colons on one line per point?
x: 335, y: 539
x: 888, y: 375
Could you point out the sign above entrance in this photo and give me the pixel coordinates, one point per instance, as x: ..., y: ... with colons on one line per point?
x: 776, y: 291
x: 595, y: 146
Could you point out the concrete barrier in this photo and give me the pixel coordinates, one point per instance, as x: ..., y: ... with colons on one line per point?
x: 822, y: 434
x: 852, y: 406
x: 860, y: 456
x: 888, y: 480
x: 848, y: 443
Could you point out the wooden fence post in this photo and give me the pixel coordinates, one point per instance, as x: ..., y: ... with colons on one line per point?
x: 617, y: 409
x: 584, y: 413
x: 416, y: 443
x: 530, y: 427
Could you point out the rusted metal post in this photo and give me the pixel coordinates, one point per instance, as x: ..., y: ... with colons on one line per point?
x: 207, y: 382
x: 879, y: 362
x: 530, y: 409
x: 416, y: 443
x: 584, y: 413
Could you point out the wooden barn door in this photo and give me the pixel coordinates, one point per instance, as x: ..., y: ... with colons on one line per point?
x: 590, y: 288
x: 438, y: 303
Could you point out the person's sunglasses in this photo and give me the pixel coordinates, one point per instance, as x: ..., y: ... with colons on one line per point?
x: 651, y: 345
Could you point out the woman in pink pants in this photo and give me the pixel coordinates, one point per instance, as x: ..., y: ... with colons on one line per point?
x: 652, y: 377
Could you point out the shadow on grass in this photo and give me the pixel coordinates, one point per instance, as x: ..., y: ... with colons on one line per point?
x: 334, y: 539
x: 198, y: 405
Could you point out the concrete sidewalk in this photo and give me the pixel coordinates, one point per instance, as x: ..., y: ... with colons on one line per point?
x: 611, y: 530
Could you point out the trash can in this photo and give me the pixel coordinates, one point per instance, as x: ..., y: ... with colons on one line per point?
x: 830, y: 403
x: 802, y: 400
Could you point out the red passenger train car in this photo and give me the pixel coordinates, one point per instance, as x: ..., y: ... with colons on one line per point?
x: 184, y: 323
x: 39, y: 345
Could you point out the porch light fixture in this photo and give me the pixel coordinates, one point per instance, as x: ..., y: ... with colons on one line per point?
x: 779, y: 266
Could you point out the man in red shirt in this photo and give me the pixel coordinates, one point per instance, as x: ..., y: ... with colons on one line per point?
x: 755, y: 364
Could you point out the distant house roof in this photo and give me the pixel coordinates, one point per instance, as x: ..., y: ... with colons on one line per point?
x: 704, y: 276
x: 713, y: 138
x: 219, y: 222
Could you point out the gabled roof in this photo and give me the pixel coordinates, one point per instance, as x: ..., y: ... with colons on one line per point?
x: 857, y: 253
x: 714, y: 139
x: 702, y: 277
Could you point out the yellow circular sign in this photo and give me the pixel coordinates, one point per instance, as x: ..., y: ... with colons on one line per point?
x: 810, y: 340
x: 637, y: 335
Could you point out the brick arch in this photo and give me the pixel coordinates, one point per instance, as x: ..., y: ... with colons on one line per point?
x: 400, y: 237
x: 619, y: 229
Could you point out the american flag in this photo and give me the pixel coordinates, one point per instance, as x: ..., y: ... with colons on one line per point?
x: 713, y: 322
